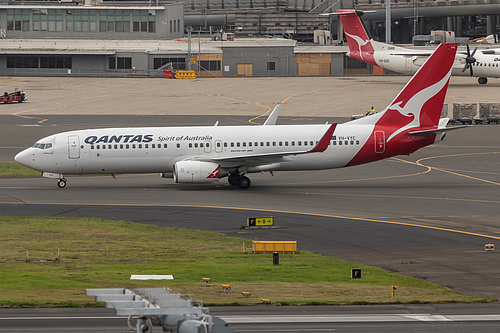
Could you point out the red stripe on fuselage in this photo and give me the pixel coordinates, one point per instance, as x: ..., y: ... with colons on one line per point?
x: 402, y: 144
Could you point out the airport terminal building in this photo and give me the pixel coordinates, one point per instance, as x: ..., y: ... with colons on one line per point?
x: 229, y: 38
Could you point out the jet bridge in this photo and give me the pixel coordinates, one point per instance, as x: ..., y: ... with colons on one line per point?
x: 149, y: 307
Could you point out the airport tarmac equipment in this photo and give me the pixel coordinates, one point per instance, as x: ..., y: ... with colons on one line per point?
x: 150, y: 307
x: 168, y: 74
x: 464, y: 113
x: 489, y: 113
x: 16, y: 96
x: 182, y: 74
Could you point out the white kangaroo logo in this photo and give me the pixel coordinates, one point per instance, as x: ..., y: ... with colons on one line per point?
x: 414, y: 105
x: 360, y: 42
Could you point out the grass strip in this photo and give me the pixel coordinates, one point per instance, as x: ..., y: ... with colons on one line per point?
x: 49, y: 261
x: 17, y: 170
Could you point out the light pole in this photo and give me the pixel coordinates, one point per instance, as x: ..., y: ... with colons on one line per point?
x: 388, y: 21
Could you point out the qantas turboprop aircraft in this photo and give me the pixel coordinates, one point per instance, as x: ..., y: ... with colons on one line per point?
x: 481, y: 64
x: 205, y: 154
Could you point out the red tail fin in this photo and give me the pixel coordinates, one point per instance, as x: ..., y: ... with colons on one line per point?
x: 417, y: 107
x: 420, y: 102
x: 360, y: 47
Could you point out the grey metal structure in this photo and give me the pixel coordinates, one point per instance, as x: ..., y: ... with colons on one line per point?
x: 160, y: 307
x: 268, y: 59
x: 109, y: 21
x: 138, y: 38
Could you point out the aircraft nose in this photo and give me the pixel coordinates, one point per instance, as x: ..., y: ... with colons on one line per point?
x: 23, y: 158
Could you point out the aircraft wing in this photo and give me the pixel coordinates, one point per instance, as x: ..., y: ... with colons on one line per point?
x: 259, y: 159
x: 273, y: 117
x: 490, y: 51
x: 413, y: 54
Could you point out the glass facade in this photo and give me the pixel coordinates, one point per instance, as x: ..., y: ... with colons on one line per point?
x: 177, y: 63
x: 20, y: 61
x: 82, y: 20
x: 120, y: 63
x: 144, y: 20
x: 114, y: 20
x: 47, y: 20
x: 210, y: 65
x: 18, y: 19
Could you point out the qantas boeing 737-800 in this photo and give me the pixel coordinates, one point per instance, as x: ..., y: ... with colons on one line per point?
x: 206, y: 153
x: 481, y: 64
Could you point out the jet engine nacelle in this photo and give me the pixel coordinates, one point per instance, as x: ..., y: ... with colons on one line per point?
x: 197, y: 172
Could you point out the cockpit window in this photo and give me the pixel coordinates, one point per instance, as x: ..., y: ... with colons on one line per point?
x: 42, y: 145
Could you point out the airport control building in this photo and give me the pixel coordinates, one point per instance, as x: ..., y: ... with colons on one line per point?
x: 225, y: 37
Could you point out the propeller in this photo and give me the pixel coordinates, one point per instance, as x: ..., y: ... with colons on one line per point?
x: 469, y: 60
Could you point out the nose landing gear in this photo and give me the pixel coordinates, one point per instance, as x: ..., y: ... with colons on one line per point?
x: 61, y: 183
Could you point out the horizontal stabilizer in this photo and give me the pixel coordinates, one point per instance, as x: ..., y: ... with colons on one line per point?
x: 350, y: 12
x: 437, y: 130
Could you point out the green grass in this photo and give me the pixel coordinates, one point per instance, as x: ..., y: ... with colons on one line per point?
x: 16, y: 170
x: 51, y: 261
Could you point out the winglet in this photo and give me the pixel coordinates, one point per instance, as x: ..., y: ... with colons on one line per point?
x: 273, y: 117
x: 325, y: 140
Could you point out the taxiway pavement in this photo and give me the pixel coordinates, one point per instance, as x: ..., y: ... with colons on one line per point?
x: 426, y: 215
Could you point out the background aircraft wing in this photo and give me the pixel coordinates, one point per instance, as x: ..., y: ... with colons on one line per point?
x: 413, y: 54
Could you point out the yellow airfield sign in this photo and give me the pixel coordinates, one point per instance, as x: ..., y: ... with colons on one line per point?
x: 260, y: 221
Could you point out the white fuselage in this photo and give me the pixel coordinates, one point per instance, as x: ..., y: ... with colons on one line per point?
x: 207, y: 153
x: 392, y: 58
x: 156, y: 149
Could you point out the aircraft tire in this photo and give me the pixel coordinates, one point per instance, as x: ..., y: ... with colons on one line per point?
x: 61, y: 183
x: 234, y: 179
x: 244, y: 183
x: 482, y: 80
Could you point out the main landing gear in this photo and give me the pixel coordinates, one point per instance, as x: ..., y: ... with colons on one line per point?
x: 241, y: 181
x: 61, y: 183
x: 482, y: 80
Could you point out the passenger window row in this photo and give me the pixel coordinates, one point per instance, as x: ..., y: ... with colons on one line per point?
x: 484, y: 64
x: 267, y: 144
x: 130, y: 146
x: 344, y: 142
x: 207, y: 144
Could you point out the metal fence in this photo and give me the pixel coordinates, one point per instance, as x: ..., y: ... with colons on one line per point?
x: 80, y: 72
